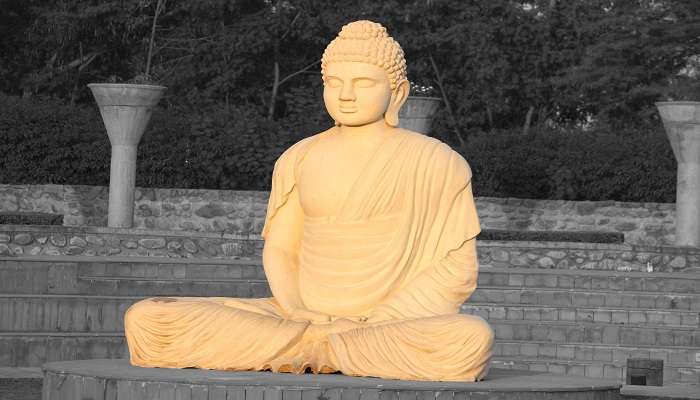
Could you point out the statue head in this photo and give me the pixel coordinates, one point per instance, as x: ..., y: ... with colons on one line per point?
x: 364, y: 75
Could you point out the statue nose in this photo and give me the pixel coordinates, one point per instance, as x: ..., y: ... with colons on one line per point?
x: 347, y: 92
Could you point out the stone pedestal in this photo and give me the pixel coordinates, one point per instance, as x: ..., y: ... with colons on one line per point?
x: 126, y: 110
x: 117, y: 380
x: 682, y: 123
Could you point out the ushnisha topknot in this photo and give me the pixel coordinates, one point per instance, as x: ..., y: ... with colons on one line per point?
x: 367, y: 41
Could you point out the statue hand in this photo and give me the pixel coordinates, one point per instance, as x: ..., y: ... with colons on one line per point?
x: 316, y: 332
x: 303, y: 314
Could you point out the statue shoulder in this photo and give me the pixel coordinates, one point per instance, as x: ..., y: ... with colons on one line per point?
x: 291, y: 157
x: 443, y: 156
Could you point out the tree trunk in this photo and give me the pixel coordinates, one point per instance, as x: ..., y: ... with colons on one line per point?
x: 276, y: 68
x: 528, y: 120
x: 273, y: 96
x: 448, y: 105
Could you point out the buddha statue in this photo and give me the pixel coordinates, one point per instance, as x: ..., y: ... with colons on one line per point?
x: 369, y: 251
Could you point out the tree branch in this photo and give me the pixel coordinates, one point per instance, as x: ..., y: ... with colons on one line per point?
x: 291, y: 25
x: 448, y: 105
x: 159, y: 8
x: 275, y: 87
x: 528, y: 120
x: 301, y: 71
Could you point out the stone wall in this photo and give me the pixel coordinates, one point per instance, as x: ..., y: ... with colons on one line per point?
x: 26, y: 240
x: 51, y: 240
x: 243, y: 212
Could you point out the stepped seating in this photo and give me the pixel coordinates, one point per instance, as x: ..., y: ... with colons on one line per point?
x: 566, y: 321
x: 588, y: 322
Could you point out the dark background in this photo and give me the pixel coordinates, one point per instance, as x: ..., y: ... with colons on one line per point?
x: 550, y: 99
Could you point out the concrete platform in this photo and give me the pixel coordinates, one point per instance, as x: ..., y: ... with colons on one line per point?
x: 670, y: 392
x: 118, y: 380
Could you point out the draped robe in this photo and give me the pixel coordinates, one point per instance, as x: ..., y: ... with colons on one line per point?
x: 400, y: 254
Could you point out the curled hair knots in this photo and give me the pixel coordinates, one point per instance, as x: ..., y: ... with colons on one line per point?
x: 369, y: 42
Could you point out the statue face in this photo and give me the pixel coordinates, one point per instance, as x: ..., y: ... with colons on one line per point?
x: 356, y: 93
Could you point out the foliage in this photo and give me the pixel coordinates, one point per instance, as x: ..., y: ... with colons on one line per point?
x: 419, y: 90
x: 503, y: 62
x: 634, y: 47
x: 526, y: 83
x: 233, y: 148
x: 634, y: 165
x: 48, y: 142
x: 682, y: 88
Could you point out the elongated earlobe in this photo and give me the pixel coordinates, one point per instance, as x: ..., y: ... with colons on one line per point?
x: 391, y: 116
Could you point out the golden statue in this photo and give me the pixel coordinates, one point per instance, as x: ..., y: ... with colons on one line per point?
x: 369, y: 250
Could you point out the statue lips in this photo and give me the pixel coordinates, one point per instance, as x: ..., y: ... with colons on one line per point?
x: 348, y: 110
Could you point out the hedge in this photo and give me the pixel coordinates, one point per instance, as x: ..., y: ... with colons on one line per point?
x: 44, y: 141
x: 634, y: 166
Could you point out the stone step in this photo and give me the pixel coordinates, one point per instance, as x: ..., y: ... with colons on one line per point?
x: 586, y: 298
x: 592, y: 369
x: 580, y: 297
x: 235, y: 269
x: 20, y: 373
x: 61, y: 313
x: 483, y: 294
x: 661, y: 282
x: 63, y: 279
x: 511, y: 276
x: 94, y: 313
x: 64, y: 313
x: 43, y: 275
x: 497, y: 277
x: 32, y: 349
x: 174, y: 287
x: 620, y: 316
x: 682, y: 357
x: 596, y: 332
x: 501, y: 277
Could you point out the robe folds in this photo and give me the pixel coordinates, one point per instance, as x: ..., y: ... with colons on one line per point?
x: 399, y: 255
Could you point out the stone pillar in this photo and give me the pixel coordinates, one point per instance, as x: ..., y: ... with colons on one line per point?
x: 126, y: 110
x: 682, y: 123
x: 122, y: 181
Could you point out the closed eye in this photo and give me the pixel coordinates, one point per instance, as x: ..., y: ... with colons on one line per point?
x: 364, y: 83
x: 333, y: 82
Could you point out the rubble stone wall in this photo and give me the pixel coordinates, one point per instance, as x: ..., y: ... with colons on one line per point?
x: 243, y: 212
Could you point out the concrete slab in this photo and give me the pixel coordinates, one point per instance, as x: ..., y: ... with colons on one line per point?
x: 668, y: 392
x: 67, y: 378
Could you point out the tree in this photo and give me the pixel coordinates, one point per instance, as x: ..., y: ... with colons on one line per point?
x: 635, y: 46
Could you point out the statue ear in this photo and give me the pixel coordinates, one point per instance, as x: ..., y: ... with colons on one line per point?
x: 398, y: 97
